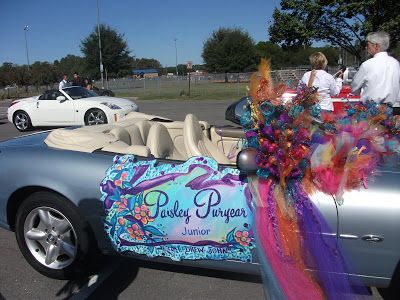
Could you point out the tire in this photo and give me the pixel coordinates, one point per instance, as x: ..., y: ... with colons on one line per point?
x: 22, y: 121
x: 107, y: 93
x: 95, y: 117
x: 54, y: 238
x: 393, y: 291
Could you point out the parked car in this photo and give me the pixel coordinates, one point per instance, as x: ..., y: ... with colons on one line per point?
x: 169, y: 191
x: 235, y: 110
x: 69, y: 106
x: 103, y: 92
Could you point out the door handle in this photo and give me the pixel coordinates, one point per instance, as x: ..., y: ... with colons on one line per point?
x: 372, y: 238
x: 37, y: 104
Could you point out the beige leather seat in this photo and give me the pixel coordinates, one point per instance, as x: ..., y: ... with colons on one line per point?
x: 144, y: 128
x: 197, y: 144
x: 129, y: 141
x: 161, y: 145
x: 122, y: 135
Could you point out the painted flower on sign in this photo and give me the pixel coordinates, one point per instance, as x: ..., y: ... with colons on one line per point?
x: 142, y: 213
x: 122, y: 205
x: 243, y: 238
x: 118, y: 182
x: 135, y: 232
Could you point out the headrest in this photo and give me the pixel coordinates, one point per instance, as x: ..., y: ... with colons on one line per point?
x: 121, y: 134
x: 192, y: 128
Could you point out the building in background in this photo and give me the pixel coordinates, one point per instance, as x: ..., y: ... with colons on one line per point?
x: 145, y: 73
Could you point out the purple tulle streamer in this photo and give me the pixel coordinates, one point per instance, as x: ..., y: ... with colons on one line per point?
x: 324, y: 252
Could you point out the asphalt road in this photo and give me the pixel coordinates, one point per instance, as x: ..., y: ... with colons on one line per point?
x: 121, y: 278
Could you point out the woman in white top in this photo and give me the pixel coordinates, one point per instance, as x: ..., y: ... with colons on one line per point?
x: 327, y: 85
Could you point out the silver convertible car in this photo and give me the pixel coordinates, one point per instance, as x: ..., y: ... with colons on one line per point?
x: 170, y: 191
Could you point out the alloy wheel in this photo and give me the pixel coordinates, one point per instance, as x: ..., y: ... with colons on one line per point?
x: 96, y: 117
x: 50, y: 237
x: 21, y: 121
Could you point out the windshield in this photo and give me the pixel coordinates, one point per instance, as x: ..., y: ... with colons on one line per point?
x: 78, y: 92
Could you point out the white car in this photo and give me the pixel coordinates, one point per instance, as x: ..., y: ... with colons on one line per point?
x: 69, y: 106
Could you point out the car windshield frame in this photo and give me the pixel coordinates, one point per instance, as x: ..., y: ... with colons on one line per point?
x: 78, y: 92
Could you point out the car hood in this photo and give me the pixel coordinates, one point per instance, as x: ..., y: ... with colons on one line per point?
x: 117, y: 101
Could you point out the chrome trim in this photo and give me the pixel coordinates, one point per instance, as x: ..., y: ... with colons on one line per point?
x: 372, y: 238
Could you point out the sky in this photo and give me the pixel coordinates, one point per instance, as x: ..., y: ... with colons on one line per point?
x: 56, y: 28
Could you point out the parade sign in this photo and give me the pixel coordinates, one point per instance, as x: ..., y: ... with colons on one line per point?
x: 191, y: 210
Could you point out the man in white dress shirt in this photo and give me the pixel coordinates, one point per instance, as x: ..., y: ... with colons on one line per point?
x: 64, y: 82
x: 378, y: 78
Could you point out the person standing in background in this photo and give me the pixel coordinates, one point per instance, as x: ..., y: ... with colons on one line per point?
x: 64, y: 82
x: 77, y: 81
x: 327, y: 85
x: 378, y: 78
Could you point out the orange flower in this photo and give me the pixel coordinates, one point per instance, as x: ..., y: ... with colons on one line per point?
x: 242, y: 237
x: 118, y: 182
x: 142, y: 213
x: 122, y: 205
x: 135, y: 232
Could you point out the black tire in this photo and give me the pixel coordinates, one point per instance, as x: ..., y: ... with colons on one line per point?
x: 95, y: 116
x: 54, y: 238
x: 393, y: 291
x: 107, y: 93
x: 22, y: 121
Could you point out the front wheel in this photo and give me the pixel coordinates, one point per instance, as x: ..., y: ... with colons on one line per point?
x: 95, y: 117
x: 22, y: 121
x: 53, y: 237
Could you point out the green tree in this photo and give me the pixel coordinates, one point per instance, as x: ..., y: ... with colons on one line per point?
x: 271, y: 51
x: 292, y: 56
x: 115, y: 53
x: 7, y: 74
x: 146, y: 63
x: 340, y: 23
x: 68, y: 65
x: 229, y: 50
x: 21, y: 75
x: 43, y: 73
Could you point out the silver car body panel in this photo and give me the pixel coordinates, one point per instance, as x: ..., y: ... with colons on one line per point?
x: 367, y: 222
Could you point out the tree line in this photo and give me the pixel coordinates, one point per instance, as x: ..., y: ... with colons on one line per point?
x: 341, y: 25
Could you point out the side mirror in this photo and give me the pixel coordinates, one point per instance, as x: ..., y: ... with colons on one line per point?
x: 61, y: 99
x: 246, y: 160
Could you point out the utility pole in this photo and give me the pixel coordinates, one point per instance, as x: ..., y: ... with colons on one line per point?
x: 26, y: 28
x: 101, y: 59
x: 176, y: 57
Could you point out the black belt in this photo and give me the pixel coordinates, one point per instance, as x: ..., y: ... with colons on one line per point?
x: 396, y: 110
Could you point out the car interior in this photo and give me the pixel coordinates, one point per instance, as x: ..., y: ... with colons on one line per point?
x: 154, y: 136
x: 50, y: 95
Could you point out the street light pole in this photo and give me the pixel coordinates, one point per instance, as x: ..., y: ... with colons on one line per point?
x: 101, y: 59
x: 176, y: 57
x: 26, y: 45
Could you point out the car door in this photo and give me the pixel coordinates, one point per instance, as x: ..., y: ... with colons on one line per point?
x: 50, y: 111
x: 369, y: 224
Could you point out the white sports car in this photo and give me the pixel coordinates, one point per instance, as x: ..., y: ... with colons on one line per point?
x: 69, y: 106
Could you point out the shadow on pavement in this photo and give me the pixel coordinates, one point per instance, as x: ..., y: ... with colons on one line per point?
x: 108, y: 283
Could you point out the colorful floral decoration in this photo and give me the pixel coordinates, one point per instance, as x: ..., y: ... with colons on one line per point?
x: 302, y: 150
